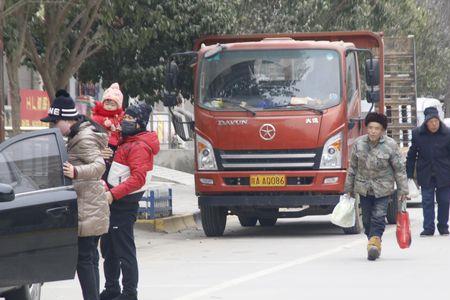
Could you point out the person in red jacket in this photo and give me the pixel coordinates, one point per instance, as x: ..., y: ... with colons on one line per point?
x: 127, y: 179
x: 109, y: 113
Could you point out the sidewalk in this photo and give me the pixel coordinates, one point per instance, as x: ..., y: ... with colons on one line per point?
x: 184, y: 201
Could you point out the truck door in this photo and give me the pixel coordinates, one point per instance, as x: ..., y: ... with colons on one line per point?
x: 353, y: 100
x: 38, y: 227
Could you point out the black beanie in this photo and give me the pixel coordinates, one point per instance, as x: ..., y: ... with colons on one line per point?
x: 62, y: 108
x: 141, y: 112
x: 430, y: 113
x: 378, y: 118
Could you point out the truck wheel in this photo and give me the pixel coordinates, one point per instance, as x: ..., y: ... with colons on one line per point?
x: 247, y: 221
x: 268, y: 222
x: 392, y: 209
x: 26, y: 292
x: 357, y: 229
x: 214, y: 220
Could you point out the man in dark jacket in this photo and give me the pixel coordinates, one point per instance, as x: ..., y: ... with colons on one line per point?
x: 127, y: 179
x: 430, y: 151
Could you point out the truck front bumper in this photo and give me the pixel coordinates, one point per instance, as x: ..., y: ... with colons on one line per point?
x: 268, y: 200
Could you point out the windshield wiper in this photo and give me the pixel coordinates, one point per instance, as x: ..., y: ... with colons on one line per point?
x: 307, y: 107
x: 248, y: 109
x: 253, y: 112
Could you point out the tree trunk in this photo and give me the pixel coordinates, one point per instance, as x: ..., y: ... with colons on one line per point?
x: 14, y: 91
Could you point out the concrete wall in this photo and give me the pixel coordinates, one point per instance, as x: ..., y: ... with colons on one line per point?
x: 177, y: 159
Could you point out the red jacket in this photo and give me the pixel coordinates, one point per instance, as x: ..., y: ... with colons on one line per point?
x: 110, y: 120
x: 137, y: 153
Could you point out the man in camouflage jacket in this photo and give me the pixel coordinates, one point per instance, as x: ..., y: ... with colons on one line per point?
x: 375, y: 165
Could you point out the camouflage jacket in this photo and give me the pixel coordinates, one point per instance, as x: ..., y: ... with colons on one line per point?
x: 375, y: 168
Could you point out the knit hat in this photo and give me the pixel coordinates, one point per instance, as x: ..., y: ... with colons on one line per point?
x: 113, y: 93
x: 62, y: 108
x: 378, y: 118
x: 141, y: 112
x: 430, y: 113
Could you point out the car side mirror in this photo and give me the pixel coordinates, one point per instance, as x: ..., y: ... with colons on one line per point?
x: 6, y: 193
x: 170, y: 96
x: 372, y: 72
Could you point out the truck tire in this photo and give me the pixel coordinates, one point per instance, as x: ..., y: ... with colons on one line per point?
x: 392, y: 209
x: 268, y: 222
x: 214, y: 220
x: 357, y: 229
x: 248, y: 221
x: 26, y: 292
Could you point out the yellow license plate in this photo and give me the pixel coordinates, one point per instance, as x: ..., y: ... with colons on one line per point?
x: 267, y: 180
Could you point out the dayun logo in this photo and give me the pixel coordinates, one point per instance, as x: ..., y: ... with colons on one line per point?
x: 267, y: 132
x: 232, y: 122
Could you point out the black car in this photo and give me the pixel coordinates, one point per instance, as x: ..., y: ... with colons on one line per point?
x: 38, y: 215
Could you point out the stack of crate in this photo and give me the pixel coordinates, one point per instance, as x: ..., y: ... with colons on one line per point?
x: 400, y: 87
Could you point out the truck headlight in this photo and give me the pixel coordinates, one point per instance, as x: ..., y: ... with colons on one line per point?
x: 206, y: 160
x: 332, y: 153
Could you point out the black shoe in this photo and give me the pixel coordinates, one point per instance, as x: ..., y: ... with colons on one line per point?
x: 126, y: 297
x: 427, y: 233
x: 444, y: 232
x: 109, y: 295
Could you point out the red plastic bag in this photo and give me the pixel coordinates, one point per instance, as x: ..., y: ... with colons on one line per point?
x: 403, y: 228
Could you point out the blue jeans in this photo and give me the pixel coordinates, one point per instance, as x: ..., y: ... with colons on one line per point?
x: 374, y: 211
x: 442, y: 195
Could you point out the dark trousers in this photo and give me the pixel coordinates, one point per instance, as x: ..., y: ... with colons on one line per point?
x: 86, y: 267
x: 119, y: 251
x: 374, y: 211
x: 442, y: 197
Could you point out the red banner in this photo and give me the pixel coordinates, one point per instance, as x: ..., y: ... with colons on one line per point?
x: 34, y: 106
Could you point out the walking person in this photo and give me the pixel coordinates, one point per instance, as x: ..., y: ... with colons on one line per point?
x: 429, y: 155
x: 86, y: 139
x: 375, y: 165
x: 127, y: 178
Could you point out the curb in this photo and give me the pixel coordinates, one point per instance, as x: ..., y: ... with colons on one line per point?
x: 171, y: 224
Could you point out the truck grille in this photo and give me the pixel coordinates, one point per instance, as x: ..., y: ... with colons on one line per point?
x: 268, y: 160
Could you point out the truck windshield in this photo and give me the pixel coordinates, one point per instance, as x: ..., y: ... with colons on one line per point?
x: 270, y: 79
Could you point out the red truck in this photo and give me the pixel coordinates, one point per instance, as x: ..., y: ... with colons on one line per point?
x: 275, y: 118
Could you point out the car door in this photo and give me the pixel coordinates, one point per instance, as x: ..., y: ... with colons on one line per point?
x: 39, y: 228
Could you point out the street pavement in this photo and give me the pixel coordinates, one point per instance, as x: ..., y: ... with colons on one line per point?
x: 305, y: 258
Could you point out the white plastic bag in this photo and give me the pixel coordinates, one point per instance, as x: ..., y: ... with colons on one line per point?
x: 344, y: 213
x: 413, y: 190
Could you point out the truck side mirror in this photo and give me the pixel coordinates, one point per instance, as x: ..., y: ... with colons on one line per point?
x: 170, y: 97
x: 373, y: 96
x: 183, y: 122
x: 6, y: 193
x: 372, y: 72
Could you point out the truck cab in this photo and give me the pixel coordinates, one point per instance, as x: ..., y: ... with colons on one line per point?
x: 275, y: 119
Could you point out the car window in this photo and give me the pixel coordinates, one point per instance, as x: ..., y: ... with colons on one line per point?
x: 6, y: 175
x: 33, y: 164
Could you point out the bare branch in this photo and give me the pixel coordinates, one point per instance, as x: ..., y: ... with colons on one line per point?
x: 57, y: 24
x: 87, y: 24
x: 32, y: 51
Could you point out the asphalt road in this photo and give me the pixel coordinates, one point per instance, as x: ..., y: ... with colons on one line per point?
x: 297, y: 259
